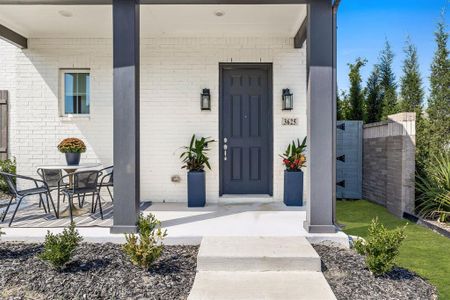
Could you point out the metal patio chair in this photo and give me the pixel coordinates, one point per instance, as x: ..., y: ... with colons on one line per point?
x: 81, y: 184
x: 20, y: 194
x: 51, y: 177
x: 107, y: 180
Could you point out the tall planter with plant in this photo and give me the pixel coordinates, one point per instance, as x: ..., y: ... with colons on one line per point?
x: 294, y: 160
x: 195, y: 159
x: 72, y: 148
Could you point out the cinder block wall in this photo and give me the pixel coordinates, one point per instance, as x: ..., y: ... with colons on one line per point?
x: 173, y: 73
x: 389, y: 162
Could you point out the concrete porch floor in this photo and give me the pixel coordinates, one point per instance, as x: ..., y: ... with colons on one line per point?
x: 188, y: 225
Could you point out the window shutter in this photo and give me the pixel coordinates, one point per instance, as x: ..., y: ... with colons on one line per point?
x: 3, y: 124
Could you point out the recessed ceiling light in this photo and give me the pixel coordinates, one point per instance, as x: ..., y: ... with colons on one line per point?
x: 65, y: 13
x: 219, y: 13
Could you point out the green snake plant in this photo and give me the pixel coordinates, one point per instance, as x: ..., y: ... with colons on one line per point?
x: 195, y: 156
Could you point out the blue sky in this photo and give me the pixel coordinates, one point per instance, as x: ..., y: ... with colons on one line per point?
x: 364, y: 25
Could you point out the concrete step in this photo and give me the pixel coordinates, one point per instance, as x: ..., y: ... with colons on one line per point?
x: 257, y: 254
x: 260, y: 285
x: 245, y: 199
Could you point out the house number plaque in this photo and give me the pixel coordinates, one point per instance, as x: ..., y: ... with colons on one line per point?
x: 289, y: 121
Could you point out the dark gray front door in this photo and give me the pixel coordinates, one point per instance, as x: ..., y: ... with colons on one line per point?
x: 246, y: 128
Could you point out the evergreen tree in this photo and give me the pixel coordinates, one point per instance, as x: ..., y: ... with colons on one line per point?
x: 339, y: 112
x: 422, y: 142
x: 438, y: 129
x: 411, y: 92
x: 387, y: 81
x: 356, y: 94
x: 374, y: 100
x: 343, y: 106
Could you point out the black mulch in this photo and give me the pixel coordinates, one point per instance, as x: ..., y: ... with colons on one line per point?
x: 349, y: 278
x: 98, y: 271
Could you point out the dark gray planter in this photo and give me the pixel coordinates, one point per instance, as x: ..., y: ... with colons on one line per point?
x: 73, y: 159
x: 293, y: 188
x: 196, y: 189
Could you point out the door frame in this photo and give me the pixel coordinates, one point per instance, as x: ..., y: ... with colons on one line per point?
x: 263, y: 66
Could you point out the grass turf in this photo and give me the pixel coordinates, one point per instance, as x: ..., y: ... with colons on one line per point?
x: 423, y: 251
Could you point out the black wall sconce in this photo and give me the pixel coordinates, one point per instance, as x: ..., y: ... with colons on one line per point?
x: 205, y: 100
x: 288, y: 100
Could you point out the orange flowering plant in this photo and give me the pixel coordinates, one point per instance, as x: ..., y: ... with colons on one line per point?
x: 72, y: 145
x: 294, y: 159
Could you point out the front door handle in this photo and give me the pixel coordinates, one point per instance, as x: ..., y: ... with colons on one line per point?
x: 225, y: 148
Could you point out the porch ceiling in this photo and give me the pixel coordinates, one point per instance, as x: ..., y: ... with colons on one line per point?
x: 95, y: 21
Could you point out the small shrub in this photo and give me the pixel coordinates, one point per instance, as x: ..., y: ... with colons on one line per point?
x: 146, y: 248
x: 434, y: 189
x: 59, y: 248
x: 8, y: 166
x: 381, y: 247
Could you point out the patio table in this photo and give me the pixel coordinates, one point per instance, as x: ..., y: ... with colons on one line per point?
x: 70, y: 169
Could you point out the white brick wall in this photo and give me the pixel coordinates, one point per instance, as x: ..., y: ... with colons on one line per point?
x: 173, y: 72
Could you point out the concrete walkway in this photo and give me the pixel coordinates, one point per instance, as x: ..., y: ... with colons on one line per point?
x: 259, y: 268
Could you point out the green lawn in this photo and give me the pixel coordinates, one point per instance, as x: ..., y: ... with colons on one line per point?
x: 423, y: 251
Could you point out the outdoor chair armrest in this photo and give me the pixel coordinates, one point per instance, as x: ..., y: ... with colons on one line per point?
x: 39, y: 180
x: 105, y: 178
x: 35, y: 181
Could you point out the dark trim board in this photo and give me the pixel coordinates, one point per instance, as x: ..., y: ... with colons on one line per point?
x: 55, y: 2
x: 13, y: 37
x: 336, y: 4
x: 168, y: 2
x: 269, y: 67
x: 225, y: 2
x: 301, y: 36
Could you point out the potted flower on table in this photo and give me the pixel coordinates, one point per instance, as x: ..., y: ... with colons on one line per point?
x: 72, y: 148
x: 195, y: 159
x: 294, y: 160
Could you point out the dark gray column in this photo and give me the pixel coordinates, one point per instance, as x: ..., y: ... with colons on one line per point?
x: 126, y: 115
x: 321, y: 118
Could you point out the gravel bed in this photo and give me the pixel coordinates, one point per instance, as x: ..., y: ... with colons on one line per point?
x: 98, y: 271
x: 349, y: 278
